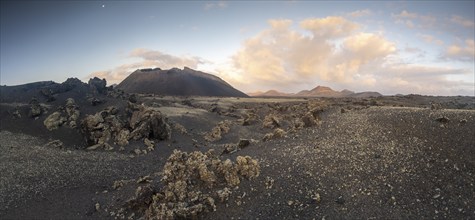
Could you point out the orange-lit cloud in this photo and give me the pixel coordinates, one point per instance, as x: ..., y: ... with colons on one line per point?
x: 462, y: 21
x: 430, y: 39
x: 462, y: 52
x: 329, y: 27
x: 280, y: 55
x: 414, y: 20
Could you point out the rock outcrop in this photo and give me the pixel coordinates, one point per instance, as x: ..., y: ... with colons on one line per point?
x: 218, y: 131
x: 69, y: 114
x: 54, y: 120
x: 194, y: 182
x: 106, y: 128
x: 97, y: 85
x: 35, y: 108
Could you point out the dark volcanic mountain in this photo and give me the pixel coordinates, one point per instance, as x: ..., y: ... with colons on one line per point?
x: 177, y: 82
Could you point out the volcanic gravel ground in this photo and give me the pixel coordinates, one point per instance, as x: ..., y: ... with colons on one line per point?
x: 365, y: 158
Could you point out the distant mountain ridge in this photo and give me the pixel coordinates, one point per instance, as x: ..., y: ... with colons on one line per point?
x: 319, y: 91
x: 177, y: 82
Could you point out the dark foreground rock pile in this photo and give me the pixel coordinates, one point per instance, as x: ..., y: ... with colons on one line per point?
x: 107, y: 128
x: 191, y: 184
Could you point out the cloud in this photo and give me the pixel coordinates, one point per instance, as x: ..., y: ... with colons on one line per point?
x: 406, y: 14
x: 430, y: 39
x: 165, y: 59
x: 414, y: 20
x: 461, y: 52
x: 282, y: 56
x: 329, y: 27
x: 420, y: 79
x: 360, y: 13
x: 150, y: 59
x: 462, y: 21
x: 213, y: 5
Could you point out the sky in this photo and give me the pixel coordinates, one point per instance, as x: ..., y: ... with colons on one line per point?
x: 393, y: 47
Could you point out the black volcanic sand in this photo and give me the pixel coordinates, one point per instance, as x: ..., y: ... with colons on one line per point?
x: 383, y: 158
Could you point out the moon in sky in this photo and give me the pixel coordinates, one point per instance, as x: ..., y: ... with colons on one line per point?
x: 103, y: 6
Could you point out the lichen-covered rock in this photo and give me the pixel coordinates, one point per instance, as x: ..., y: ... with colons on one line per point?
x: 149, y: 123
x: 247, y: 167
x: 224, y: 194
x: 180, y: 128
x: 435, y: 106
x: 35, y: 108
x: 122, y: 137
x: 277, y: 133
x: 107, y: 127
x: 271, y: 121
x: 65, y: 115
x: 72, y: 111
x: 99, y: 129
x: 98, y: 85
x: 150, y: 144
x: 312, y: 117
x: 193, y: 182
x: 54, y: 120
x: 249, y: 119
x: 230, y: 173
x: 16, y: 113
x: 308, y: 120
x: 218, y: 131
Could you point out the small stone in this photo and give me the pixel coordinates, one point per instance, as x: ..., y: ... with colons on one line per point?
x: 443, y: 119
x: 144, y: 179
x: 94, y: 147
x: 269, y: 182
x: 244, y: 143
x: 435, y: 106
x: 340, y: 200
x: 55, y: 144
x: 98, y: 206
x: 317, y: 198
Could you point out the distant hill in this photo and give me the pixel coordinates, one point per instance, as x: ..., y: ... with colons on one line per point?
x: 319, y: 91
x: 270, y: 93
x: 365, y: 94
x: 186, y: 82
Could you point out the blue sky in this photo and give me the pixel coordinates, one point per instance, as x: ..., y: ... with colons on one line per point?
x: 424, y: 47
